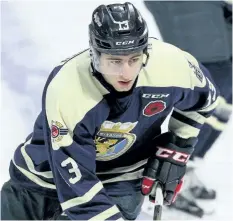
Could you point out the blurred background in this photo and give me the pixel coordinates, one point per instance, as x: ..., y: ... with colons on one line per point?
x: 37, y: 35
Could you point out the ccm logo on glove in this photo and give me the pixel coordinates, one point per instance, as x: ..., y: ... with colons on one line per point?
x: 175, y: 155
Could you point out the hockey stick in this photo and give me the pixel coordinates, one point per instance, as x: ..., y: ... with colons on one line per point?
x: 158, y: 202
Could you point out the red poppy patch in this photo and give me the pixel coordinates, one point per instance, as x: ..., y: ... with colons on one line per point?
x: 154, y: 107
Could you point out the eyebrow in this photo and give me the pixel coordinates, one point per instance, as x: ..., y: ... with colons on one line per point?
x: 116, y: 58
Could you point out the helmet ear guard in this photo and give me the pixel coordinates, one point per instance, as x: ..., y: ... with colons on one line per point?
x: 95, y: 58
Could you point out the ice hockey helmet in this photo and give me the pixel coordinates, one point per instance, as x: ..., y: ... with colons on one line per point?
x: 118, y: 29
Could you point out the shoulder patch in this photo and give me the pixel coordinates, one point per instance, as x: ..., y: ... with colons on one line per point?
x: 58, y: 131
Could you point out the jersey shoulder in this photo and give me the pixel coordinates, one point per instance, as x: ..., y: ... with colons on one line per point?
x: 66, y: 72
x: 74, y: 75
x: 73, y: 89
x: 167, y: 66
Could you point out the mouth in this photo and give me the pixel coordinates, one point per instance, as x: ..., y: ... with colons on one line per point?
x: 124, y: 83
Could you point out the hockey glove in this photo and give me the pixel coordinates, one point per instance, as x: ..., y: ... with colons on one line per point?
x: 167, y: 166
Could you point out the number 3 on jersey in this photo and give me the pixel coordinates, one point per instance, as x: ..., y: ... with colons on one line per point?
x: 74, y: 170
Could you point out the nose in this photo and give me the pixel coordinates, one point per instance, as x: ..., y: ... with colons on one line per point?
x: 126, y: 72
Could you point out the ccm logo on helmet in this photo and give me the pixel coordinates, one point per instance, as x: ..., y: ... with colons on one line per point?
x: 124, y: 42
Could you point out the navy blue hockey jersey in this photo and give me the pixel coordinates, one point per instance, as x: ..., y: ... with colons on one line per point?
x: 89, y: 137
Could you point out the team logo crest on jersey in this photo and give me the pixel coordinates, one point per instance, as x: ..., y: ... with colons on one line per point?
x: 58, y: 131
x: 114, y: 139
x: 154, y: 107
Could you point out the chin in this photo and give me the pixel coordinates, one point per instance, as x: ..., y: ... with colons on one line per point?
x: 123, y: 89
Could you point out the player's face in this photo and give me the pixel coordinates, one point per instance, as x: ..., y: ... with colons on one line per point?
x: 121, y: 70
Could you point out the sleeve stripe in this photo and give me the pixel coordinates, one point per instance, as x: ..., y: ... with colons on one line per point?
x: 82, y: 199
x: 127, y: 176
x: 181, y: 129
x: 215, y: 123
x: 34, y: 178
x: 30, y: 165
x: 106, y: 214
x: 124, y: 169
x: 192, y: 115
x: 186, y: 120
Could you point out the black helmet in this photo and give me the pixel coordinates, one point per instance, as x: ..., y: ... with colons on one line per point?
x: 118, y: 29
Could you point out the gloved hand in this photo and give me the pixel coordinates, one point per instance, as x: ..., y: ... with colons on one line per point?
x: 167, y: 166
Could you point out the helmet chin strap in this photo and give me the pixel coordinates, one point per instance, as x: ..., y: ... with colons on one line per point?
x: 147, y: 58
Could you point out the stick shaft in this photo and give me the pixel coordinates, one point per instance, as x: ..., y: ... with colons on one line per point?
x: 158, y: 202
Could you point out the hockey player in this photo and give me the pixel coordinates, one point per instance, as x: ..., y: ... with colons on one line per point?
x: 97, y: 147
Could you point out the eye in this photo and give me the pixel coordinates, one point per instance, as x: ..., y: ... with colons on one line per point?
x: 115, y: 62
x: 135, y: 60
